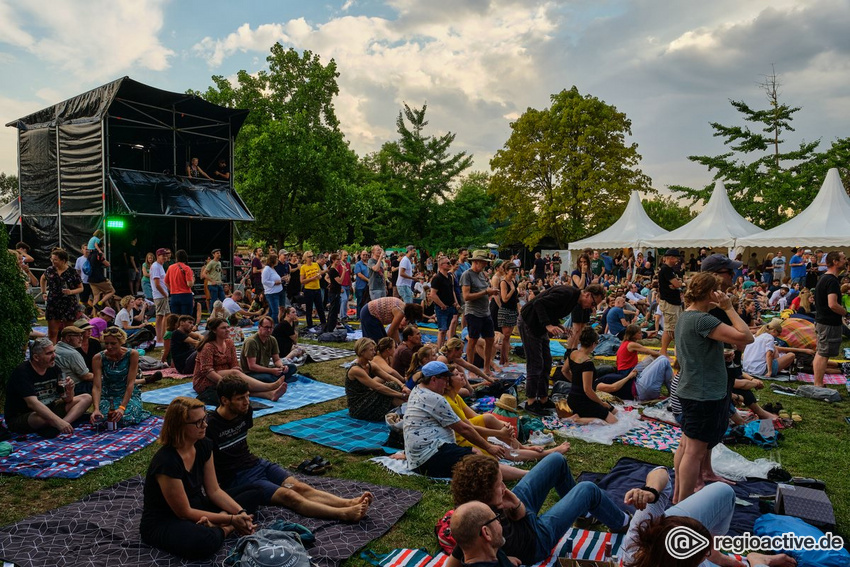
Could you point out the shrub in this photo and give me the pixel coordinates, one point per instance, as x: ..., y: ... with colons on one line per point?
x: 16, y: 312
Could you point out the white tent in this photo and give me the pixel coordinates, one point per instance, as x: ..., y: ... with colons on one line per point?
x: 824, y: 223
x: 633, y: 227
x: 718, y: 225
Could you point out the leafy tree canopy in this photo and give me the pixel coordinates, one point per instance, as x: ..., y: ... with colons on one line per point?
x: 8, y: 188
x: 667, y: 212
x: 564, y: 169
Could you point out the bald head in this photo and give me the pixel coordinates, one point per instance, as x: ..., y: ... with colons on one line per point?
x: 467, y: 523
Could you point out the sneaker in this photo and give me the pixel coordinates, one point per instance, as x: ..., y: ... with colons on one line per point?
x: 536, y: 408
x: 538, y: 438
x: 549, y: 404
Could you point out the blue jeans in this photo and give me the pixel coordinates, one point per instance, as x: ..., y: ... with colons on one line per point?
x: 377, y: 293
x: 274, y: 304
x: 270, y: 378
x: 650, y: 380
x: 216, y: 293
x: 343, y: 303
x: 713, y: 506
x: 575, y: 501
x: 371, y: 326
x: 181, y: 303
x: 405, y: 292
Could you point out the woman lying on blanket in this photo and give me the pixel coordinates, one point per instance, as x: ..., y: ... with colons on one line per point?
x: 217, y: 358
x: 531, y: 535
x: 114, y: 391
x: 371, y: 392
x: 488, y: 425
x: 708, y: 512
x: 185, y: 511
x: 583, y: 400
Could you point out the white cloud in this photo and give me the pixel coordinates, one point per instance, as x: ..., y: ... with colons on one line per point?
x: 92, y: 40
x: 347, y: 5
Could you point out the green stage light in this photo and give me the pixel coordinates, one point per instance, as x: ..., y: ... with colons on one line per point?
x: 115, y: 223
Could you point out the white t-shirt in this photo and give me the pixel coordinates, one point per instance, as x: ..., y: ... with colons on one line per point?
x: 122, y: 316
x: 635, y: 297
x: 406, y: 265
x: 230, y: 306
x: 158, y: 273
x: 271, y: 281
x: 426, y: 425
x: 754, y: 359
x: 78, y: 265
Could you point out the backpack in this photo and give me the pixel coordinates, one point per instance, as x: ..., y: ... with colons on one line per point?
x: 143, y: 339
x: 337, y: 336
x: 268, y: 547
x: 86, y: 268
x: 443, y: 531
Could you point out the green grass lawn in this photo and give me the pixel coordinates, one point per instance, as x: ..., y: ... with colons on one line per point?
x: 816, y: 447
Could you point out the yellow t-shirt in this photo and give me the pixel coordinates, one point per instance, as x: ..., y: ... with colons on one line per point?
x: 308, y: 272
x: 457, y: 404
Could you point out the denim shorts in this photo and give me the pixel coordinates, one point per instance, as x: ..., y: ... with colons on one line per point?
x: 265, y: 475
x: 444, y: 317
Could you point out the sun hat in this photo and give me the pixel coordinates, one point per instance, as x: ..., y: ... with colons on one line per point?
x: 82, y: 324
x: 70, y: 330
x: 108, y: 311
x: 507, y: 402
x: 480, y: 255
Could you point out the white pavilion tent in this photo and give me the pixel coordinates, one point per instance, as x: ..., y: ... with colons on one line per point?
x: 825, y: 223
x: 630, y: 230
x: 718, y: 226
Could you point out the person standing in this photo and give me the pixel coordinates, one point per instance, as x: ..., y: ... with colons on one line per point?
x: 160, y: 292
x: 539, y: 269
x: 779, y: 266
x: 798, y: 267
x: 179, y: 279
x: 597, y: 267
x: 539, y: 319
x: 335, y: 272
x: 361, y: 282
x: 377, y: 280
x: 476, y: 292
x: 828, y: 314
x: 404, y: 283
x: 443, y: 295
x: 670, y: 296
x: 60, y: 285
x: 272, y: 286
x: 214, y: 281
x: 311, y: 273
x: 131, y: 258
x: 82, y: 260
x: 345, y: 271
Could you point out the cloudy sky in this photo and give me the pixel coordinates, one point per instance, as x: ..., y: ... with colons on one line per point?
x: 670, y: 65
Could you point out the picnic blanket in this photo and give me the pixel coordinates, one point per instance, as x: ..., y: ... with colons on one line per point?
x: 399, y: 466
x: 169, y: 372
x: 587, y: 544
x: 798, y: 333
x: 72, y: 456
x: 596, y: 433
x: 653, y: 435
x: 629, y: 473
x: 320, y: 353
x: 831, y: 379
x: 303, y: 392
x: 339, y: 431
x: 103, y: 528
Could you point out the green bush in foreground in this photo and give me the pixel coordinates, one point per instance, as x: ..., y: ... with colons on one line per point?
x: 16, y: 312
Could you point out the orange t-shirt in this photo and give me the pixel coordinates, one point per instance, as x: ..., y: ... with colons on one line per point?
x: 179, y: 278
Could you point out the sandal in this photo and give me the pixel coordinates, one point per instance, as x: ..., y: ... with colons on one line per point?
x: 796, y: 417
x: 309, y: 468
x: 321, y: 462
x: 783, y: 414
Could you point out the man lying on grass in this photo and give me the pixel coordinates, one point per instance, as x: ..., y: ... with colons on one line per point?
x: 236, y: 466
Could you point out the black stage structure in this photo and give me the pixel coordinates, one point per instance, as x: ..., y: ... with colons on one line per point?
x: 115, y: 158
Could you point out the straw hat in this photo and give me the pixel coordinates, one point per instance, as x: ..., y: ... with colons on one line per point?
x: 481, y: 256
x: 507, y: 402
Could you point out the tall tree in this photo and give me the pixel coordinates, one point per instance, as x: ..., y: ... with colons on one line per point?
x: 563, y: 169
x: 667, y: 212
x: 417, y: 172
x: 463, y: 219
x: 292, y: 164
x: 8, y: 188
x: 767, y: 181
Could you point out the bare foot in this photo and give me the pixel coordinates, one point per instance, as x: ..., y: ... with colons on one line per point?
x: 780, y: 560
x: 281, y: 390
x: 354, y: 513
x: 366, y: 497
x: 400, y: 456
x: 562, y: 448
x: 204, y: 521
x: 715, y: 478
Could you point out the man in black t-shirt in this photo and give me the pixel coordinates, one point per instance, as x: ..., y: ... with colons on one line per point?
x: 286, y: 333
x: 183, y: 344
x: 669, y: 296
x: 38, y: 399
x: 539, y: 268
x: 445, y: 299
x: 828, y: 314
x: 236, y: 466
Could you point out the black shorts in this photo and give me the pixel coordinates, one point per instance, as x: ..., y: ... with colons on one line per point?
x: 21, y: 424
x: 480, y: 327
x: 580, y: 315
x: 440, y: 465
x: 749, y: 397
x: 584, y: 407
x: 705, y: 421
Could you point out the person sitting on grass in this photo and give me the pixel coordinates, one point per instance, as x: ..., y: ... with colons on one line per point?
x: 261, y: 350
x: 384, y: 359
x: 430, y: 426
x: 761, y: 357
x: 114, y: 391
x: 237, y: 468
x: 531, y: 534
x: 370, y: 391
x: 452, y: 353
x: 217, y: 358
x: 38, y: 399
x: 488, y: 425
x: 477, y: 530
x: 185, y: 510
x: 708, y: 513
x: 183, y: 342
x: 582, y: 399
x: 427, y: 353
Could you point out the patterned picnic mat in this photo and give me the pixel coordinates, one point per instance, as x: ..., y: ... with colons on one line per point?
x: 586, y: 544
x: 103, y: 528
x: 654, y: 435
x: 302, y: 393
x: 72, y: 456
x: 831, y: 379
x: 321, y: 353
x: 339, y: 431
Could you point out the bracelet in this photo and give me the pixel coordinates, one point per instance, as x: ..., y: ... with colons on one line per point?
x: 230, y: 523
x: 242, y: 511
x: 122, y: 408
x: 653, y: 491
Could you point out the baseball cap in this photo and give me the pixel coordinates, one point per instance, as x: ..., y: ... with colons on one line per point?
x: 719, y: 262
x: 672, y: 252
x: 161, y: 251
x: 435, y: 368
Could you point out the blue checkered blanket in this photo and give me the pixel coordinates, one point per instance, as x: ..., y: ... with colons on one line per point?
x: 72, y: 456
x: 299, y: 394
x: 339, y: 431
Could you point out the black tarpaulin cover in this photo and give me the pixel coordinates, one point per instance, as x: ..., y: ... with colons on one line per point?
x: 146, y: 193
